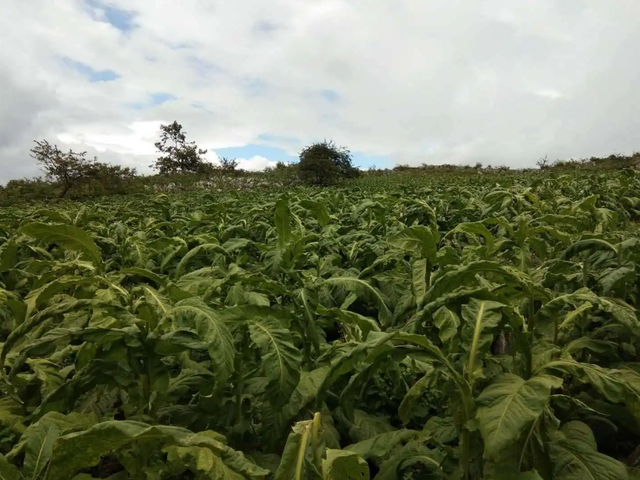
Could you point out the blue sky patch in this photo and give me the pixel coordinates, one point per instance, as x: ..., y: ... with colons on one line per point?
x: 160, y: 98
x: 267, y: 137
x: 152, y: 100
x: 123, y: 20
x: 363, y: 160
x: 88, y: 72
x: 255, y: 87
x: 330, y: 96
x: 265, y: 26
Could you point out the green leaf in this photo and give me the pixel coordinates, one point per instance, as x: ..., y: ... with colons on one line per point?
x: 202, y: 461
x: 380, y: 445
x: 195, y: 314
x: 349, y: 358
x: 38, y: 440
x: 449, y: 281
x: 447, y: 322
x: 508, y: 406
x: 207, y: 247
x: 472, y: 229
x: 358, y: 325
x: 400, y: 464
x: 416, y: 391
x: 8, y: 256
x: 79, y: 450
x: 360, y: 287
x: 66, y: 236
x: 575, y: 457
x: 532, y: 475
x: 319, y: 209
x: 308, y: 389
x: 280, y: 358
x: 341, y: 465
x: 283, y: 222
x: 37, y: 297
x: 143, y: 272
x: 587, y: 245
x: 157, y: 301
x: 299, y: 461
x: 420, y: 239
x: 480, y: 316
x: 419, y: 280
x: 616, y: 385
x: 441, y: 430
x: 8, y: 471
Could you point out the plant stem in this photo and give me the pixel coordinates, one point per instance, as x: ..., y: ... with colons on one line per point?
x: 301, y: 452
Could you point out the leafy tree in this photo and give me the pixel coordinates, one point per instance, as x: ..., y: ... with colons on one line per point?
x: 178, y: 155
x: 69, y: 169
x: 325, y: 163
x: 73, y: 169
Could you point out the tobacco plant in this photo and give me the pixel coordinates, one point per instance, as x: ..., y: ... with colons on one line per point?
x: 437, y: 329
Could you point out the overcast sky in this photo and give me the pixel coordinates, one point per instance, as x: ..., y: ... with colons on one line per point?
x: 503, y: 82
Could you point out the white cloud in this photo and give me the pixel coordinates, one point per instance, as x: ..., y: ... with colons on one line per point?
x: 255, y: 163
x: 496, y: 81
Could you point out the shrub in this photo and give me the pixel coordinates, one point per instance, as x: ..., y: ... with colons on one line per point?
x: 324, y: 163
x: 24, y: 190
x: 110, y: 179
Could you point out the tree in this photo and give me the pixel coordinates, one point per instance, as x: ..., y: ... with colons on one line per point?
x: 324, y: 163
x: 228, y: 164
x: 69, y: 169
x: 72, y: 169
x: 178, y: 155
x: 543, y: 163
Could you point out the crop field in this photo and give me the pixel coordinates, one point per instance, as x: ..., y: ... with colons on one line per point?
x: 455, y: 327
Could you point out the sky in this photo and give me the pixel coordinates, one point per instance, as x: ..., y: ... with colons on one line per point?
x: 502, y: 82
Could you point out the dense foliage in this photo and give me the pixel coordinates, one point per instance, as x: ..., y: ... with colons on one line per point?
x: 460, y: 328
x: 73, y: 169
x: 325, y: 163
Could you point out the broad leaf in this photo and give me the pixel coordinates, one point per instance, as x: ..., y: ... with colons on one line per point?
x: 68, y: 237
x: 508, y: 406
x: 575, y: 457
x: 341, y: 465
x: 280, y: 358
x: 195, y: 314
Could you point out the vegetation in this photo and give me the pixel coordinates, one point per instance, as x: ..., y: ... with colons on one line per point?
x: 72, y: 169
x: 449, y: 327
x: 181, y: 166
x: 324, y: 164
x: 178, y: 156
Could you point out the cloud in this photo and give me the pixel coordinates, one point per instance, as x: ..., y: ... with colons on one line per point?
x: 417, y: 81
x: 255, y: 163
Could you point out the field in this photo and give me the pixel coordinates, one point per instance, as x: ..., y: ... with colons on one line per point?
x: 447, y: 327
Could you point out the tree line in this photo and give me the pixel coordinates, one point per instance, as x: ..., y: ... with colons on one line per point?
x: 322, y: 163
